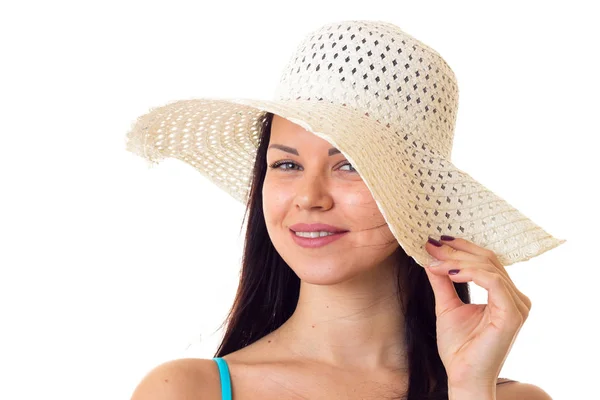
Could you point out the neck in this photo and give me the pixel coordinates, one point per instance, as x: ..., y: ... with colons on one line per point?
x: 354, y: 325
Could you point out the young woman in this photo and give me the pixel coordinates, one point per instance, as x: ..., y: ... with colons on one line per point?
x: 330, y: 305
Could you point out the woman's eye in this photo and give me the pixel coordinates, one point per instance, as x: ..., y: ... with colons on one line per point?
x: 351, y: 167
x: 278, y: 164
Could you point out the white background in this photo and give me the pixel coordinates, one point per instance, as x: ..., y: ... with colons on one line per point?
x: 109, y: 268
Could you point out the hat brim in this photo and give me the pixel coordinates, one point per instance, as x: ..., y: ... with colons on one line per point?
x: 418, y: 190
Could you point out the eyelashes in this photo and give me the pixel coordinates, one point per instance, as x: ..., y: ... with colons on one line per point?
x: 277, y: 164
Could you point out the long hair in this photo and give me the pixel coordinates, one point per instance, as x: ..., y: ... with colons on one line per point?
x: 268, y: 292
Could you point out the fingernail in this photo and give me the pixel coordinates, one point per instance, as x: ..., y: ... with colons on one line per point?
x: 446, y: 237
x: 454, y: 271
x: 434, y: 242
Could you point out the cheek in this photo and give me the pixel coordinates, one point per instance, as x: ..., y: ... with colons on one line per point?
x: 363, y: 204
x: 275, y: 196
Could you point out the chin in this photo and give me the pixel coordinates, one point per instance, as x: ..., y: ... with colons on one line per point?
x: 323, y: 272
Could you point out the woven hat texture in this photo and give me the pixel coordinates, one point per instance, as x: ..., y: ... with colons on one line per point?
x: 389, y: 103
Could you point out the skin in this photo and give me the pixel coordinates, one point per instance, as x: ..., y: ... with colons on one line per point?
x: 348, y: 315
x: 345, y: 339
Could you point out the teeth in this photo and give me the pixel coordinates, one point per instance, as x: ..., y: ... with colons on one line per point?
x: 313, y: 234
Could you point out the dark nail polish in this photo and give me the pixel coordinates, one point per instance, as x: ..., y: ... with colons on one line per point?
x: 454, y: 271
x: 434, y: 242
x: 446, y: 237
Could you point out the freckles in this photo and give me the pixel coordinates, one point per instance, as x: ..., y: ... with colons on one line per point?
x: 276, y: 195
x: 352, y: 201
x: 275, y: 186
x: 357, y: 198
x: 363, y: 201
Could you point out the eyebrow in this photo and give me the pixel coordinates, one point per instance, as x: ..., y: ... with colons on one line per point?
x: 291, y: 150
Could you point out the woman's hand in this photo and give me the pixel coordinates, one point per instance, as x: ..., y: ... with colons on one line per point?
x: 474, y: 339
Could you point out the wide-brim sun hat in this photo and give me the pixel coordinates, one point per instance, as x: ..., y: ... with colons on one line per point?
x: 389, y: 103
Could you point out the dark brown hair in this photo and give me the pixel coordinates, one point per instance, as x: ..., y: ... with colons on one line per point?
x: 268, y: 292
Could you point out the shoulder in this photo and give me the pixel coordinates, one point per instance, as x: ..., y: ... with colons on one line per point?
x: 180, y: 379
x: 520, y: 390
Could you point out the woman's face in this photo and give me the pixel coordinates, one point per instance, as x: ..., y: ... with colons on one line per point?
x: 321, y: 188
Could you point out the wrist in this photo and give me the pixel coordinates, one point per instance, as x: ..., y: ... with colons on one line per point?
x: 471, y: 394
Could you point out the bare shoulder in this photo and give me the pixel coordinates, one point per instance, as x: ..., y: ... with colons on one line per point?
x: 180, y: 379
x: 520, y: 390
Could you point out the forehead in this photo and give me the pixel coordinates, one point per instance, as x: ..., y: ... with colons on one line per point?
x: 282, y: 127
x: 286, y: 132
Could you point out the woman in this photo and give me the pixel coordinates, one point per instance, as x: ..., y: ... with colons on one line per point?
x: 348, y: 314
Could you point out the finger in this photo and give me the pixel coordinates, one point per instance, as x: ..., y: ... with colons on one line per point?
x: 444, y: 268
x: 470, y: 247
x: 462, y: 249
x: 464, y: 245
x: 446, y: 297
x: 504, y: 310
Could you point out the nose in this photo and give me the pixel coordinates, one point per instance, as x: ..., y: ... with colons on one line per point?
x: 313, y: 191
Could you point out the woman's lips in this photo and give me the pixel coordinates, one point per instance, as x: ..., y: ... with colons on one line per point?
x: 316, y: 242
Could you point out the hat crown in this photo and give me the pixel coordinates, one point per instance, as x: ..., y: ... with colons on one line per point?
x: 376, y: 67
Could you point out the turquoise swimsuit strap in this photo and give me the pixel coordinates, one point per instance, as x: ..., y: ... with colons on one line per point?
x: 225, y: 379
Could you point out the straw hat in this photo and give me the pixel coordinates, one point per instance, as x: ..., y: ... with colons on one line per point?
x: 388, y: 102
